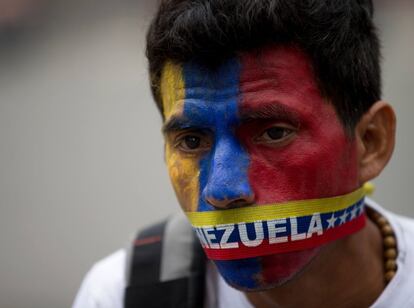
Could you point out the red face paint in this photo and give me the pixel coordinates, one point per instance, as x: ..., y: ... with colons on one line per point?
x: 278, y: 87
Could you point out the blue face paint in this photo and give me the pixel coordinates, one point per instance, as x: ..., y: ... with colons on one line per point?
x: 240, y: 274
x: 211, y: 102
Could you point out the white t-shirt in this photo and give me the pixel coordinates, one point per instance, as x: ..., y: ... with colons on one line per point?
x: 103, y: 286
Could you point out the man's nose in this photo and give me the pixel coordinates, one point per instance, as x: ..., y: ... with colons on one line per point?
x: 228, y: 183
x: 231, y: 202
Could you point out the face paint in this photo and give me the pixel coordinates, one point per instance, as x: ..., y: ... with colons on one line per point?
x: 255, y: 134
x: 183, y: 171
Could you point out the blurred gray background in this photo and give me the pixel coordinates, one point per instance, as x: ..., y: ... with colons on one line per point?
x: 81, y: 164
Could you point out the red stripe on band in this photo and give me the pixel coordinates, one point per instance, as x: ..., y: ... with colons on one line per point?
x: 267, y: 249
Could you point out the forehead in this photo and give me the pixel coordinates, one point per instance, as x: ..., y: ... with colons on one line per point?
x: 279, y: 74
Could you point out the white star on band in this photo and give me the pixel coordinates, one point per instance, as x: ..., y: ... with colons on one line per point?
x: 354, y: 213
x: 360, y: 209
x: 331, y: 222
x: 343, y: 217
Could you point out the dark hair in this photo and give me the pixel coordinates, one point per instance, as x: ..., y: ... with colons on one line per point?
x: 337, y: 35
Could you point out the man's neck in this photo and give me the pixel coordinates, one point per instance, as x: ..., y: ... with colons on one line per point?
x: 347, y: 273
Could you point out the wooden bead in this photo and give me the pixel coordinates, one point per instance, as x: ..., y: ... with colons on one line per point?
x: 374, y: 215
x: 389, y: 275
x: 381, y: 221
x: 389, y: 242
x: 387, y: 230
x: 390, y: 265
x: 390, y: 253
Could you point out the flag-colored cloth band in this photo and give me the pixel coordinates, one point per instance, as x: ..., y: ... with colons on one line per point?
x: 277, y: 228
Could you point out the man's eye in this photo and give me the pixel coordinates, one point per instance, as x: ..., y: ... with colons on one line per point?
x: 192, y: 143
x: 275, y: 134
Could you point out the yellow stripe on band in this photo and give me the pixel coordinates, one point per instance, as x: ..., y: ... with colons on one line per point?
x: 275, y: 211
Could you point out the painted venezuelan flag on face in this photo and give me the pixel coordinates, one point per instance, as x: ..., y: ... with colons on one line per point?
x: 239, y: 187
x: 209, y: 102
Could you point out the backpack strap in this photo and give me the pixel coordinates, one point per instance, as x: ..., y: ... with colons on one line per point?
x: 167, y: 267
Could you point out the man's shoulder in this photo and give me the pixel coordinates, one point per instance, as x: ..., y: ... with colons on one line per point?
x: 405, y: 224
x: 402, y: 225
x: 104, y: 284
x: 404, y: 229
x: 113, y: 266
x: 399, y: 291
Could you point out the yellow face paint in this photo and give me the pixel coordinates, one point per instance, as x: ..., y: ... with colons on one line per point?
x: 172, y: 90
x: 183, y: 170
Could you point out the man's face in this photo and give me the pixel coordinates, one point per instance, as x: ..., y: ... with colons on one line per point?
x: 254, y: 131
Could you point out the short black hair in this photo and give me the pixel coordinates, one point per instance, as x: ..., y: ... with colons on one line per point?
x: 338, y: 35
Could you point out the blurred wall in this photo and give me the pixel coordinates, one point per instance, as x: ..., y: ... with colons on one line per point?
x: 81, y: 164
x: 395, y: 20
x: 80, y: 147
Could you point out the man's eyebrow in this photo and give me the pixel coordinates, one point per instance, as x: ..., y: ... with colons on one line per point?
x: 273, y: 110
x: 175, y: 124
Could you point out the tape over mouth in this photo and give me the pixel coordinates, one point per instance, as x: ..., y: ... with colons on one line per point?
x: 261, y: 230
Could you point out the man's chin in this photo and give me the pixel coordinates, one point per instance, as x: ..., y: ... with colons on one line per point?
x: 264, y: 273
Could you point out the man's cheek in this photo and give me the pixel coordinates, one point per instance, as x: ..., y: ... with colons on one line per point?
x: 302, y: 172
x: 279, y: 176
x: 184, y: 175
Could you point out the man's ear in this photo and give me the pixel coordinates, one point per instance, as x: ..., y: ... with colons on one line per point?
x: 375, y: 134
